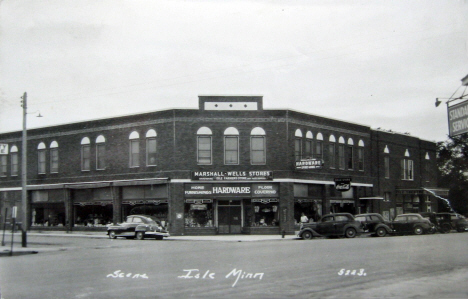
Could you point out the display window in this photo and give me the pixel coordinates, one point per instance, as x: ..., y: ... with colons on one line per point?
x: 93, y: 215
x: 48, y: 214
x: 309, y: 208
x: 262, y: 213
x: 198, y: 213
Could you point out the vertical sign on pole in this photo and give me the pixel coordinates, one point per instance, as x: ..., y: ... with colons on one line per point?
x: 13, y: 215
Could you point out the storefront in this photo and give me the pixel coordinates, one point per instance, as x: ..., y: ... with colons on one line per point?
x: 48, y: 208
x: 92, y: 207
x: 231, y: 208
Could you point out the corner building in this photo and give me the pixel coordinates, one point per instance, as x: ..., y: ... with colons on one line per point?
x: 228, y: 167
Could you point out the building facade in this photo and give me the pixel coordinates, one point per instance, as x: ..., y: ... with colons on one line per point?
x: 228, y: 167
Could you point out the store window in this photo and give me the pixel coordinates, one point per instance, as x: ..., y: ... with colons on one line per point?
x: 3, y: 165
x: 151, y: 148
x: 14, y: 160
x: 312, y: 209
x: 41, y: 158
x: 332, y: 151
x: 319, y: 146
x: 85, y: 154
x: 298, y: 145
x: 360, y: 155
x: 54, y: 157
x: 263, y: 212
x: 198, y: 213
x: 100, y: 152
x: 204, y: 153
x: 231, y: 146
x: 92, y: 207
x: 134, y: 140
x: 258, y: 146
x: 341, y: 153
x: 309, y: 145
x: 47, y: 208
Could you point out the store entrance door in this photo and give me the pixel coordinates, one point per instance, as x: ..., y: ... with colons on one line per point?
x: 229, y: 219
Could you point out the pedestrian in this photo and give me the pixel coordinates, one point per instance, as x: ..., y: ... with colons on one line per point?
x: 304, y: 218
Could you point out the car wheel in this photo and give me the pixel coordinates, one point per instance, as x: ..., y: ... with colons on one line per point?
x: 350, y: 233
x: 159, y: 238
x: 418, y: 230
x: 307, y: 235
x: 112, y: 235
x: 381, y: 232
x: 140, y: 235
x: 445, y: 228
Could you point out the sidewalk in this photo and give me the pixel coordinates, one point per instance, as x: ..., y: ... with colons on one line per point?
x: 18, y: 250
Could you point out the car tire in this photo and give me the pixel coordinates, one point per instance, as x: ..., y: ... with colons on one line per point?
x: 418, y: 230
x: 381, y: 232
x: 112, y: 235
x: 445, y: 228
x: 158, y: 237
x: 307, y: 235
x: 350, y: 233
x: 140, y: 235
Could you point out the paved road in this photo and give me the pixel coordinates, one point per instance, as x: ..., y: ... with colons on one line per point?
x: 432, y: 266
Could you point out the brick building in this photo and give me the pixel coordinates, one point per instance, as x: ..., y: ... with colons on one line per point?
x: 229, y: 166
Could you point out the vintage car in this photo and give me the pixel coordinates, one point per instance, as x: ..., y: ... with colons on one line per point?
x: 332, y: 225
x: 138, y: 227
x: 411, y: 224
x: 441, y: 221
x: 459, y: 222
x: 375, y: 224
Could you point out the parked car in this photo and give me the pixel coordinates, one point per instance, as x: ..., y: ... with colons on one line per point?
x: 138, y: 227
x: 375, y: 224
x: 459, y: 222
x: 442, y: 223
x: 339, y: 225
x: 411, y: 224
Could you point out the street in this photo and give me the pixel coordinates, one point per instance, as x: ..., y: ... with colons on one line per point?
x: 431, y: 266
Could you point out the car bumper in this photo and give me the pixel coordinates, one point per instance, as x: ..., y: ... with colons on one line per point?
x: 162, y: 234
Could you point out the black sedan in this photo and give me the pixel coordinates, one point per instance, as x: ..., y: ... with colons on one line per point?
x: 332, y: 225
x: 138, y: 227
x: 375, y: 224
x: 411, y: 224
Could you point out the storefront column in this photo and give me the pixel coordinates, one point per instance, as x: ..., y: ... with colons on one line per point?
x: 68, y: 209
x: 326, y: 201
x: 116, y: 204
x: 176, y: 208
x: 286, y: 206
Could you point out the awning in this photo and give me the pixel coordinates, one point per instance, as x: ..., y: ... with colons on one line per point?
x: 88, y: 185
x: 437, y: 191
x: 372, y: 198
x: 423, y: 191
x: 140, y: 182
x: 45, y: 187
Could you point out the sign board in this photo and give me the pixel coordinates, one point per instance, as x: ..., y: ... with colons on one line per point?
x: 229, y: 190
x: 231, y: 175
x: 3, y: 149
x: 309, y: 164
x: 342, y: 184
x: 458, y: 119
x: 14, y: 212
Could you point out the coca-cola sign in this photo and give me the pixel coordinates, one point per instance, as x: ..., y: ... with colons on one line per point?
x: 342, y: 184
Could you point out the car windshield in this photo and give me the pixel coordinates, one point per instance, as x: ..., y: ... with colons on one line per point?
x: 360, y: 218
x: 154, y: 221
x: 400, y: 218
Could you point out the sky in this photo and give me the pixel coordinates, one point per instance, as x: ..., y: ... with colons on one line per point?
x: 376, y: 63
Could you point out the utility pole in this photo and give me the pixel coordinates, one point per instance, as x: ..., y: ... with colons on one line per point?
x: 24, y: 193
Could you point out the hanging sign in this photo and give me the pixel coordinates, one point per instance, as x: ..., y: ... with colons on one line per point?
x: 342, y: 184
x: 309, y: 164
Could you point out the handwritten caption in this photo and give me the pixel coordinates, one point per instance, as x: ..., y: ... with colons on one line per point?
x: 235, y: 275
x: 120, y: 274
x: 345, y: 272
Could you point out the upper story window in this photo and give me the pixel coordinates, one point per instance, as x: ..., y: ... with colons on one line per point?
x: 100, y: 152
x: 3, y: 165
x: 407, y: 167
x: 151, y: 147
x: 298, y: 145
x: 258, y: 146
x: 341, y: 153
x: 360, y: 152
x: 134, y: 146
x: 319, y: 146
x: 14, y: 160
x: 309, y: 145
x: 387, y: 162
x: 427, y: 167
x: 204, y: 152
x: 41, y: 158
x: 332, y: 151
x: 54, y: 157
x: 231, y: 146
x: 350, y: 154
x: 85, y: 154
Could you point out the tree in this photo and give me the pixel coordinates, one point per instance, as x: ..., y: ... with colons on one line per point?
x: 452, y: 162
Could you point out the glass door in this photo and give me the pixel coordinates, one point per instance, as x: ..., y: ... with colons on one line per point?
x: 229, y: 217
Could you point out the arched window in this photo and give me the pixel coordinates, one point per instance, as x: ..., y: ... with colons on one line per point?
x: 298, y: 145
x: 4, y: 160
x: 204, y: 152
x: 231, y: 146
x: 387, y: 162
x: 319, y: 146
x: 151, y: 145
x: 350, y: 154
x: 360, y: 155
x: 41, y: 158
x: 14, y: 160
x: 134, y: 145
x: 54, y: 157
x: 407, y: 167
x: 341, y: 152
x: 257, y: 146
x: 100, y: 152
x: 332, y: 151
x: 85, y: 154
x: 309, y: 145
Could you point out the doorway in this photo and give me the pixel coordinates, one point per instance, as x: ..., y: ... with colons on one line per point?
x: 229, y: 217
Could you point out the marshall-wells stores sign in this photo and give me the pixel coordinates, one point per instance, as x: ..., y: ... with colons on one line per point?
x: 231, y: 175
